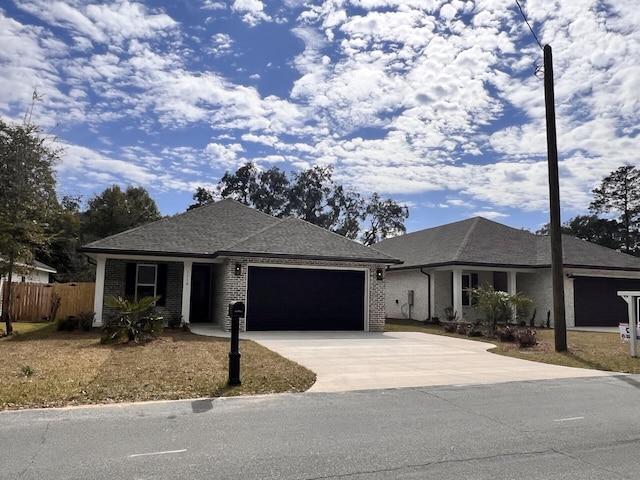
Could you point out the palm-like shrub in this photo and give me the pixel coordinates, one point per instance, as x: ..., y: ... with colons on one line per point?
x: 498, y: 306
x: 132, y: 320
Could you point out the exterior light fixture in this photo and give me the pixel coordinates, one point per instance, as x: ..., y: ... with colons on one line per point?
x: 238, y: 269
x: 379, y: 274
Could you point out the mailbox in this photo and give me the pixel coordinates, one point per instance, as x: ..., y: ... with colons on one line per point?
x: 236, y: 309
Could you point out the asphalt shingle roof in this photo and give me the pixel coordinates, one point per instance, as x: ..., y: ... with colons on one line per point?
x: 296, y: 237
x: 231, y: 228
x: 37, y: 265
x: 478, y: 241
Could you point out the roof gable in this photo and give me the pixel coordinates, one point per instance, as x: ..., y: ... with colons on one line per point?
x: 201, y: 231
x: 231, y: 228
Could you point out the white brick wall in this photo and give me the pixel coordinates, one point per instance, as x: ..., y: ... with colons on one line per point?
x: 399, y: 282
x: 398, y: 285
x: 537, y: 286
x: 443, y: 293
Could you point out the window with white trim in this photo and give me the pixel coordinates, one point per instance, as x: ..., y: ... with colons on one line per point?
x: 146, y: 277
x: 469, y: 281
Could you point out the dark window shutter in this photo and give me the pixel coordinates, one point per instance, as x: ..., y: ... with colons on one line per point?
x: 130, y: 281
x: 474, y: 284
x: 161, y: 284
x: 452, y: 284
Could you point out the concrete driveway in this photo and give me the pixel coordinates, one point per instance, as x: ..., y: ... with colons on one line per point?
x: 345, y: 361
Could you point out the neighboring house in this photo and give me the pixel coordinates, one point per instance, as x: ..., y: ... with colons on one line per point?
x: 440, y: 263
x: 290, y: 274
x: 36, y: 273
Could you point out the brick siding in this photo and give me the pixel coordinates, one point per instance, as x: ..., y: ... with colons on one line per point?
x: 115, y: 279
x: 230, y: 287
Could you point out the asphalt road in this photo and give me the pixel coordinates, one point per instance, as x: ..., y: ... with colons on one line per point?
x: 553, y: 429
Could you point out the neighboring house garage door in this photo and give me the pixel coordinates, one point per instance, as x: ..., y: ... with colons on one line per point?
x: 597, y: 303
x: 305, y: 299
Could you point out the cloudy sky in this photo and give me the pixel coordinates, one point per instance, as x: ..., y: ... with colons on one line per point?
x: 433, y: 103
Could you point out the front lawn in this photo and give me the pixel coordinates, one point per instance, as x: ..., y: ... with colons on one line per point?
x: 600, y: 351
x: 41, y: 367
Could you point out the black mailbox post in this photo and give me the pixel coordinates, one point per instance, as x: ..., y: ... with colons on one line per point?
x: 236, y: 312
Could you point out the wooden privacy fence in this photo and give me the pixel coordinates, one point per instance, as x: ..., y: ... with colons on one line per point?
x: 34, y: 302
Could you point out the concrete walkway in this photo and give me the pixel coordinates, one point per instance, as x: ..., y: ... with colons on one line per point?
x: 346, y: 361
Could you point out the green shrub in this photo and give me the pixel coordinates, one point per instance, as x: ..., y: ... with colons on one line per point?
x: 86, y: 321
x: 432, y: 321
x: 499, y: 306
x: 507, y: 334
x: 450, y: 314
x: 132, y: 321
x: 526, y: 338
x: 450, y: 327
x: 175, y: 321
x: 68, y: 324
x: 474, y: 329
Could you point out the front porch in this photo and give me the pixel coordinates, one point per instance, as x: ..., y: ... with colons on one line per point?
x: 189, y: 290
x: 425, y: 293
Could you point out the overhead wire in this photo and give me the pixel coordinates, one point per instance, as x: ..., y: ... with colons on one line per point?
x: 529, y: 25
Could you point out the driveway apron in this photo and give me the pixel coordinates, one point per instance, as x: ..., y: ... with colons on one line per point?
x: 347, y: 361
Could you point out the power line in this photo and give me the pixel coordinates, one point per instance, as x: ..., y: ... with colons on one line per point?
x: 529, y: 25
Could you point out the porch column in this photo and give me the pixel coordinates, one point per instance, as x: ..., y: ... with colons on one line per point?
x: 98, y: 297
x: 186, y: 290
x: 512, y: 289
x: 457, y: 292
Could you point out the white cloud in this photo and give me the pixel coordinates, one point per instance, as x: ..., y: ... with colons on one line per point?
x: 80, y: 161
x: 400, y: 96
x: 490, y: 214
x: 221, y: 44
x: 213, y: 5
x: 270, y: 140
x: 101, y: 23
x: 223, y: 155
x: 252, y: 10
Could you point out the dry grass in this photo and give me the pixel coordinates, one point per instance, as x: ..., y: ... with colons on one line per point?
x: 73, y: 369
x: 600, y: 351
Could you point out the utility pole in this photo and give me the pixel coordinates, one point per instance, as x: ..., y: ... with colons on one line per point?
x: 557, y: 275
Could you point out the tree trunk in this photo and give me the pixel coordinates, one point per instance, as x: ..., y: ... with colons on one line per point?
x: 7, y: 306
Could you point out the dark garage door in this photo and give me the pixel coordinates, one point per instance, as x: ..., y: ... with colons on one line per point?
x: 305, y: 299
x: 597, y: 303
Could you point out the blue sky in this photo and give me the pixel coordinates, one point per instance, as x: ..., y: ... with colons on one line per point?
x: 432, y: 103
